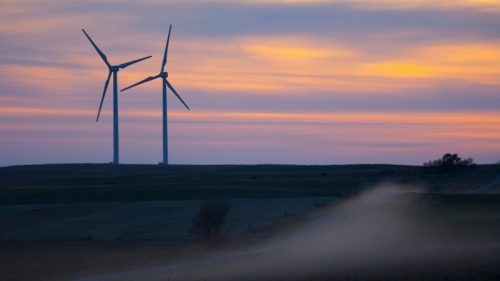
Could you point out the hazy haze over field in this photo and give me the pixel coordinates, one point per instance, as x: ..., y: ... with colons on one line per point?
x: 382, y: 232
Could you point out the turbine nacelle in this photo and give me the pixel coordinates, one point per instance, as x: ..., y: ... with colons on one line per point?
x: 163, y: 75
x: 114, y: 68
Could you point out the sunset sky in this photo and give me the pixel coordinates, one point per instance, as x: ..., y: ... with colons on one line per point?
x: 292, y: 82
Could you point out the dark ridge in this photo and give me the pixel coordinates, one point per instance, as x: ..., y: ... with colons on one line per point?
x: 62, y: 183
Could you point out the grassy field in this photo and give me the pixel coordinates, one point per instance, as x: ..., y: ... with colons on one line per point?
x: 63, y: 221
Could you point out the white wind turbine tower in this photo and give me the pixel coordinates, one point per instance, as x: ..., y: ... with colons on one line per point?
x: 163, y: 75
x: 112, y: 69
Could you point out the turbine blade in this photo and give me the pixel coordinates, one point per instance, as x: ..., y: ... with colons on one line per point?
x: 140, y: 82
x: 177, y: 95
x: 164, y: 62
x: 103, y: 56
x: 123, y: 65
x: 103, y: 95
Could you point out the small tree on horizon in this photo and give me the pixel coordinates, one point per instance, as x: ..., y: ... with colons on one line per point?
x: 451, y: 163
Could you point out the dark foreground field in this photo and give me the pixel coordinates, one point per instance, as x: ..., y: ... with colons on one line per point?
x: 64, y: 222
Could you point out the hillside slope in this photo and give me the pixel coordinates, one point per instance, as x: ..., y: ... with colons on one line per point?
x: 71, y: 183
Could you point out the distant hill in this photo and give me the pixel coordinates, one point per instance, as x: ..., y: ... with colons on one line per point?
x: 65, y: 183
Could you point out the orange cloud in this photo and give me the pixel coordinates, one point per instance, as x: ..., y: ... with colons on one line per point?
x: 284, y: 66
x: 299, y: 65
x: 482, y: 5
x: 288, y: 65
x: 469, y: 62
x: 476, y: 118
x: 52, y: 79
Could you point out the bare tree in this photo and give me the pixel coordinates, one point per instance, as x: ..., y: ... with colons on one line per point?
x: 210, y: 220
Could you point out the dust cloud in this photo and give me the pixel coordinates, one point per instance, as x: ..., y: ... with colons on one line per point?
x: 386, y: 232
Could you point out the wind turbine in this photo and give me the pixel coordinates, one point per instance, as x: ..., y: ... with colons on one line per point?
x: 112, y: 69
x: 163, y: 75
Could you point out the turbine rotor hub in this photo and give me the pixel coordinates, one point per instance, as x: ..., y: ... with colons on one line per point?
x: 164, y: 74
x: 114, y: 68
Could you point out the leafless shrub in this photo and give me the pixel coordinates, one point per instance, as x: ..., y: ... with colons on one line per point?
x: 210, y: 219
